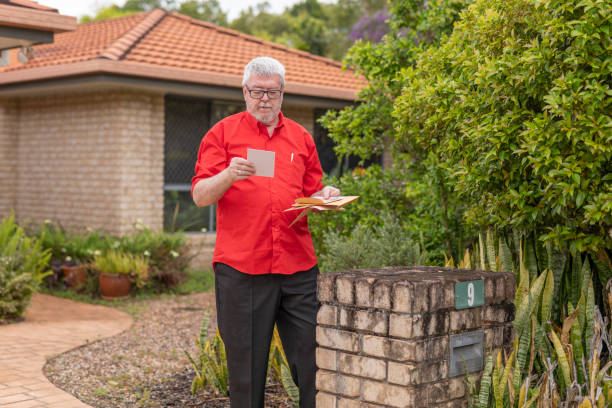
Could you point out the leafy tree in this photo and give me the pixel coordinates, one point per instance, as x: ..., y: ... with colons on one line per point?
x: 326, y: 29
x: 367, y: 129
x: 310, y: 7
x: 342, y: 17
x: 259, y: 22
x: 105, y: 13
x: 207, y: 10
x: 371, y: 28
x: 203, y: 10
x: 312, y: 26
x: 147, y: 5
x: 513, y: 110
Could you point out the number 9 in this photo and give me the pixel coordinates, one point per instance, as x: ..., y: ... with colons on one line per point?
x: 470, y: 293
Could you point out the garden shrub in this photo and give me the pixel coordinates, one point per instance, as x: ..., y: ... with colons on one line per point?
x: 513, y: 112
x: 167, y: 254
x: 70, y: 249
x: 23, y: 263
x: 379, y: 194
x: 367, y: 129
x: 560, y: 349
x: 387, y: 192
x: 389, y: 244
x: 513, y: 109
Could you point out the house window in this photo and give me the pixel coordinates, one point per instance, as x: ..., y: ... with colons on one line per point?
x: 187, y: 120
x: 221, y: 109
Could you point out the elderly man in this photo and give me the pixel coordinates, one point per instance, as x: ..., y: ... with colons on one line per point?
x: 265, y: 270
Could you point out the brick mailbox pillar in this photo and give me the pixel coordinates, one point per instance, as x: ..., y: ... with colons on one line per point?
x: 404, y: 336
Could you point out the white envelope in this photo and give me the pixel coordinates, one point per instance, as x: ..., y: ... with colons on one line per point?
x: 263, y: 160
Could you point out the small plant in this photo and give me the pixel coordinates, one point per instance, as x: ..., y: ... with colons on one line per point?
x: 211, y: 364
x: 72, y: 248
x: 23, y: 265
x: 386, y: 245
x: 168, y: 254
x: 279, y: 368
x: 118, y: 263
x: 550, y: 365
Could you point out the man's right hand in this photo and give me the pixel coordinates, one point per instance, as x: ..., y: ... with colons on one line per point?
x: 240, y: 169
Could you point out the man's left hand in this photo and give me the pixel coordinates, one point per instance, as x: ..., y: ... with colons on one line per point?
x: 327, y: 192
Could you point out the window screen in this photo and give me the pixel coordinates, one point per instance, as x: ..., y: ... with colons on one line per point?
x: 186, y: 122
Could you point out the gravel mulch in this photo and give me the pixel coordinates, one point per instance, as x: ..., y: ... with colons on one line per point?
x: 146, y: 366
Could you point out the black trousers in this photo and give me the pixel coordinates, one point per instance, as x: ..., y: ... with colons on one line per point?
x: 247, y: 308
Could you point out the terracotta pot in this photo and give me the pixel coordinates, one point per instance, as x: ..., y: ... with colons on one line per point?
x: 75, y: 276
x: 115, y: 287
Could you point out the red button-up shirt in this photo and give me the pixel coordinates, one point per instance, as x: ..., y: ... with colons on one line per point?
x: 253, y: 233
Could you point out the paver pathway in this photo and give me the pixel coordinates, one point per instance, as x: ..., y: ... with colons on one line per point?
x: 51, y: 326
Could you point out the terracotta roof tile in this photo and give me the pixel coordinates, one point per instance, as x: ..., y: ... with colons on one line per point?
x: 171, y: 40
x: 27, y: 4
x: 88, y: 41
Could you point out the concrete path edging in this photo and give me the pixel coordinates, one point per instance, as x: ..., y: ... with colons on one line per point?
x: 52, y: 326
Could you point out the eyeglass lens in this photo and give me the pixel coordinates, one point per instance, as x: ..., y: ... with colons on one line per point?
x: 257, y: 94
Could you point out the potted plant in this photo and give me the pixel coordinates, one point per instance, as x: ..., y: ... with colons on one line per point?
x: 118, y: 271
x: 74, y: 272
x: 65, y: 260
x: 71, y: 253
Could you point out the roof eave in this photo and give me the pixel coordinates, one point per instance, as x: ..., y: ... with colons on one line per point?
x: 36, y: 19
x: 99, y: 65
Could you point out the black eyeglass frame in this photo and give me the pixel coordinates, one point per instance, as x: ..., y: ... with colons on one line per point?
x: 250, y: 91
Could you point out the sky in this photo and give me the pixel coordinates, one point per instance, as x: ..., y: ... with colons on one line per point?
x: 78, y: 8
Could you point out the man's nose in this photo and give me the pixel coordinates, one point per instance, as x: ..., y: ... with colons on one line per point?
x: 265, y: 96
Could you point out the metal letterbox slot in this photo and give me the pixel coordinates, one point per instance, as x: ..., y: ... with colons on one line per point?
x: 466, y: 353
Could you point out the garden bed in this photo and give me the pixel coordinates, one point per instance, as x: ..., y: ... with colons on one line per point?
x: 146, y: 366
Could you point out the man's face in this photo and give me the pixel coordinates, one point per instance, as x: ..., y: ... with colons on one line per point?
x: 265, y: 110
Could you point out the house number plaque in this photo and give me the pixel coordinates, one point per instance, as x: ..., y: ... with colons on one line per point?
x: 469, y: 294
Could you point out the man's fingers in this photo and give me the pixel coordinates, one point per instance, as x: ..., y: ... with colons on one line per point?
x: 329, y: 191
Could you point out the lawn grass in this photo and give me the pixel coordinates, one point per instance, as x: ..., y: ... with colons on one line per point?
x: 198, y: 281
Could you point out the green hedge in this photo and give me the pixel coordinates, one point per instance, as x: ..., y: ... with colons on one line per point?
x: 513, y: 109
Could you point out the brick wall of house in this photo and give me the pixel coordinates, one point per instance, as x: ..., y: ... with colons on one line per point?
x: 8, y: 155
x: 384, y: 335
x: 202, y: 248
x: 91, y: 160
x: 141, y: 125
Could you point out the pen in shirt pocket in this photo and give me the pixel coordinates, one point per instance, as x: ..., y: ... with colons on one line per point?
x: 291, y: 157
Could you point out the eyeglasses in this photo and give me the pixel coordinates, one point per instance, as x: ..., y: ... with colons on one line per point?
x: 258, y: 94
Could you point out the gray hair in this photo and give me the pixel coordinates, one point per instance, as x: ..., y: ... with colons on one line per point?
x: 264, y: 66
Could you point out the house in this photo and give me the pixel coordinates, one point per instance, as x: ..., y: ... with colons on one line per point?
x: 24, y: 23
x: 101, y: 128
